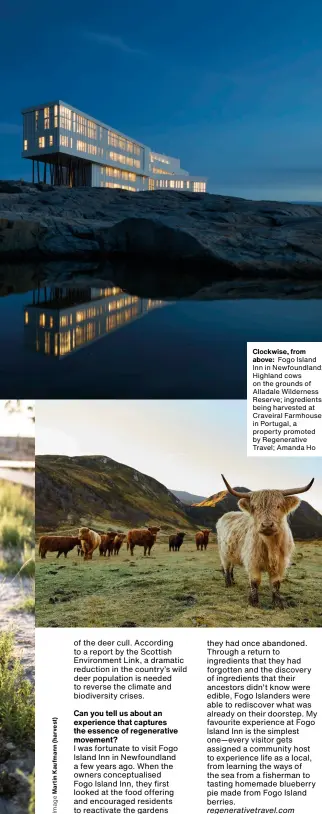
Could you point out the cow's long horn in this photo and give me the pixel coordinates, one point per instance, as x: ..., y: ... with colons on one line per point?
x: 233, y: 491
x: 298, y: 490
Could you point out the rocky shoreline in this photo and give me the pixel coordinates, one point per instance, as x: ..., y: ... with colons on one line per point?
x: 222, y: 235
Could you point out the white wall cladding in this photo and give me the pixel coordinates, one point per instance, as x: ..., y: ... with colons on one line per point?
x: 58, y: 133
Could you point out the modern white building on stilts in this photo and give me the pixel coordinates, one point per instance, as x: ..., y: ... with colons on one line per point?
x: 68, y: 147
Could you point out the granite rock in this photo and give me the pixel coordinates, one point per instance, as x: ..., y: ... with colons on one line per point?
x: 221, y: 233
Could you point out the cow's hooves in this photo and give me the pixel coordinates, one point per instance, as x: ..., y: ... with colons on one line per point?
x: 253, y: 601
x: 278, y: 602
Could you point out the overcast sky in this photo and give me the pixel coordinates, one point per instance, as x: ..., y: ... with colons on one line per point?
x: 233, y: 89
x: 183, y: 444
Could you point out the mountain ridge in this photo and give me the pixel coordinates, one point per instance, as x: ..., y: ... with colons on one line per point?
x: 187, y: 497
x: 305, y: 522
x: 74, y: 489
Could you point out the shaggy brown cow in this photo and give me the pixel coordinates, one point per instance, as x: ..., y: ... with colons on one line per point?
x: 259, y: 537
x: 117, y: 542
x: 106, y: 544
x: 202, y: 539
x: 142, y: 537
x: 57, y: 543
x: 176, y: 540
x: 90, y: 540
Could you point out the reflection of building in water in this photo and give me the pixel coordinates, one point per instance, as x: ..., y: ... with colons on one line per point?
x: 61, y: 320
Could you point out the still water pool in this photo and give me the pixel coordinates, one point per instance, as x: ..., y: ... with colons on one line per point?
x: 90, y: 341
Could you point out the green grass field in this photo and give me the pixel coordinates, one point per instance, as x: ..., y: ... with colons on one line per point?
x: 181, y: 589
x: 16, y: 641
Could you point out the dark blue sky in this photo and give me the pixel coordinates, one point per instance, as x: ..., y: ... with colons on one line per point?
x: 234, y: 89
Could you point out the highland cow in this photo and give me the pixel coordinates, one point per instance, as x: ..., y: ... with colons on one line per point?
x: 176, y: 540
x: 61, y: 544
x: 259, y: 537
x: 202, y: 539
x: 106, y: 544
x: 142, y: 537
x: 90, y: 540
x: 118, y: 542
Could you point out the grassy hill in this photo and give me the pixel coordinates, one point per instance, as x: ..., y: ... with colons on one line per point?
x: 74, y: 490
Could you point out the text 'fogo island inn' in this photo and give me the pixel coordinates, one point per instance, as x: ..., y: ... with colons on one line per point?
x: 67, y: 147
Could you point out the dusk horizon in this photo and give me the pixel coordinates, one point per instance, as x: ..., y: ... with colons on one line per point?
x: 232, y: 92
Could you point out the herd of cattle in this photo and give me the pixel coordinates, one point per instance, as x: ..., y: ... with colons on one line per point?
x: 258, y: 537
x: 88, y: 540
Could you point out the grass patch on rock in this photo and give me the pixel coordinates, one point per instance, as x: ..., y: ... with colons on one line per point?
x: 17, y: 702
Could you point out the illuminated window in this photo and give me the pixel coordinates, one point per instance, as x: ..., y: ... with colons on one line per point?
x: 110, y: 185
x: 162, y: 158
x: 63, y: 321
x: 25, y: 144
x: 51, y: 141
x: 65, y: 118
x: 90, y: 331
x: 92, y: 149
x: 42, y: 320
x: 151, y: 183
x: 56, y: 116
x: 26, y: 317
x: 119, y: 141
x: 124, y: 159
x: 47, y: 342
x: 51, y: 322
x: 115, y: 173
x: 46, y: 118
x: 80, y: 316
x: 159, y: 171
x: 65, y: 141
x: 36, y: 119
x: 65, y: 342
x: 80, y: 124
x: 41, y: 141
x: 81, y: 146
x: 92, y: 130
x: 199, y: 186
x: 56, y: 344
